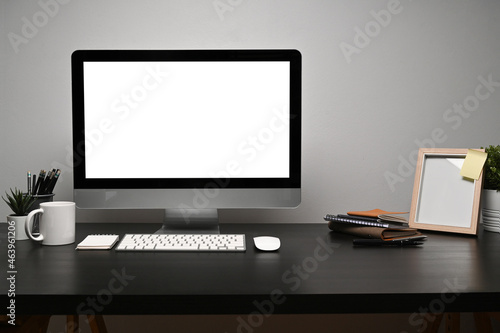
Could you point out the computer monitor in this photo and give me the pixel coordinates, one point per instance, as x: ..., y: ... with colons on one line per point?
x: 188, y: 131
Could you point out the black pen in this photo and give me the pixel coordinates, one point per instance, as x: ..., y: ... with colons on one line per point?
x: 53, y: 181
x: 380, y: 242
x: 362, y: 218
x: 29, y: 182
x: 41, y: 178
x: 48, y: 179
x: 33, y: 185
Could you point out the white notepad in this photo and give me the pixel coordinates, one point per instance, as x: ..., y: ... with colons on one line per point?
x: 97, y: 242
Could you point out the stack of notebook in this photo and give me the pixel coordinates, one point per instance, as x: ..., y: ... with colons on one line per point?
x: 374, y: 224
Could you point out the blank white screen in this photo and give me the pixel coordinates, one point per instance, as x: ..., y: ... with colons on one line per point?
x: 187, y: 119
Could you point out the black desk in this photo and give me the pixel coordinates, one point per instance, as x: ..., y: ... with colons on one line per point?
x: 315, y: 271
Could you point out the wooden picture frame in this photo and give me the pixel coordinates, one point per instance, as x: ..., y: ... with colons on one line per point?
x: 442, y: 199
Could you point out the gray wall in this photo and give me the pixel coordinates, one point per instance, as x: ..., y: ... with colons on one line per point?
x: 380, y: 79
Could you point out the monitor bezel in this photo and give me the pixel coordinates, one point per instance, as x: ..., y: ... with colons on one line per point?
x: 78, y: 59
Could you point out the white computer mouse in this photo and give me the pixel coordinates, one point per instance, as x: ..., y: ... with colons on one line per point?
x: 267, y: 243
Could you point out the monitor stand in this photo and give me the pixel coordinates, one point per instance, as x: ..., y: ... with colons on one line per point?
x: 190, y: 221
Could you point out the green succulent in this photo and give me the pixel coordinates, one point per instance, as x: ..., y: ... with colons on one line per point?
x: 19, y: 202
x: 492, y: 168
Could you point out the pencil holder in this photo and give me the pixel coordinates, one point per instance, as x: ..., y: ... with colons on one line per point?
x: 40, y: 198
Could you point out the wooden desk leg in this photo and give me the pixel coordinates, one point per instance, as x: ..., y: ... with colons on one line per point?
x: 35, y: 323
x: 483, y: 322
x: 72, y: 324
x: 453, y: 322
x: 432, y: 327
x: 97, y: 324
x: 494, y: 315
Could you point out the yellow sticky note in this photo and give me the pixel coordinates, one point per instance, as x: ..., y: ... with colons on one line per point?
x: 473, y: 164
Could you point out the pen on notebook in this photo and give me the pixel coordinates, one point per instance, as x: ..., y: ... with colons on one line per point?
x: 362, y: 218
x: 380, y: 242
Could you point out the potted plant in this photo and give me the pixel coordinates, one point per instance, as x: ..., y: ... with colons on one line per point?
x: 20, y: 204
x: 491, y: 190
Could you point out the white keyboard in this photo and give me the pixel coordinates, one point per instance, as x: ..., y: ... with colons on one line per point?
x: 183, y: 242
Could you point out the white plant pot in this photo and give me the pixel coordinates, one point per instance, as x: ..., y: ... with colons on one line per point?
x: 490, y: 211
x: 18, y: 222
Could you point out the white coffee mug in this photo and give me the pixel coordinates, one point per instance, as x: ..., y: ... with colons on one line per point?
x: 57, y: 223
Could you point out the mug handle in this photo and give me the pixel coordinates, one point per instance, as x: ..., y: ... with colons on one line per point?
x: 28, y: 225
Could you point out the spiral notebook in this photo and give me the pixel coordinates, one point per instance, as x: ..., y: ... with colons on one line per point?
x: 98, y: 242
x: 362, y: 221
